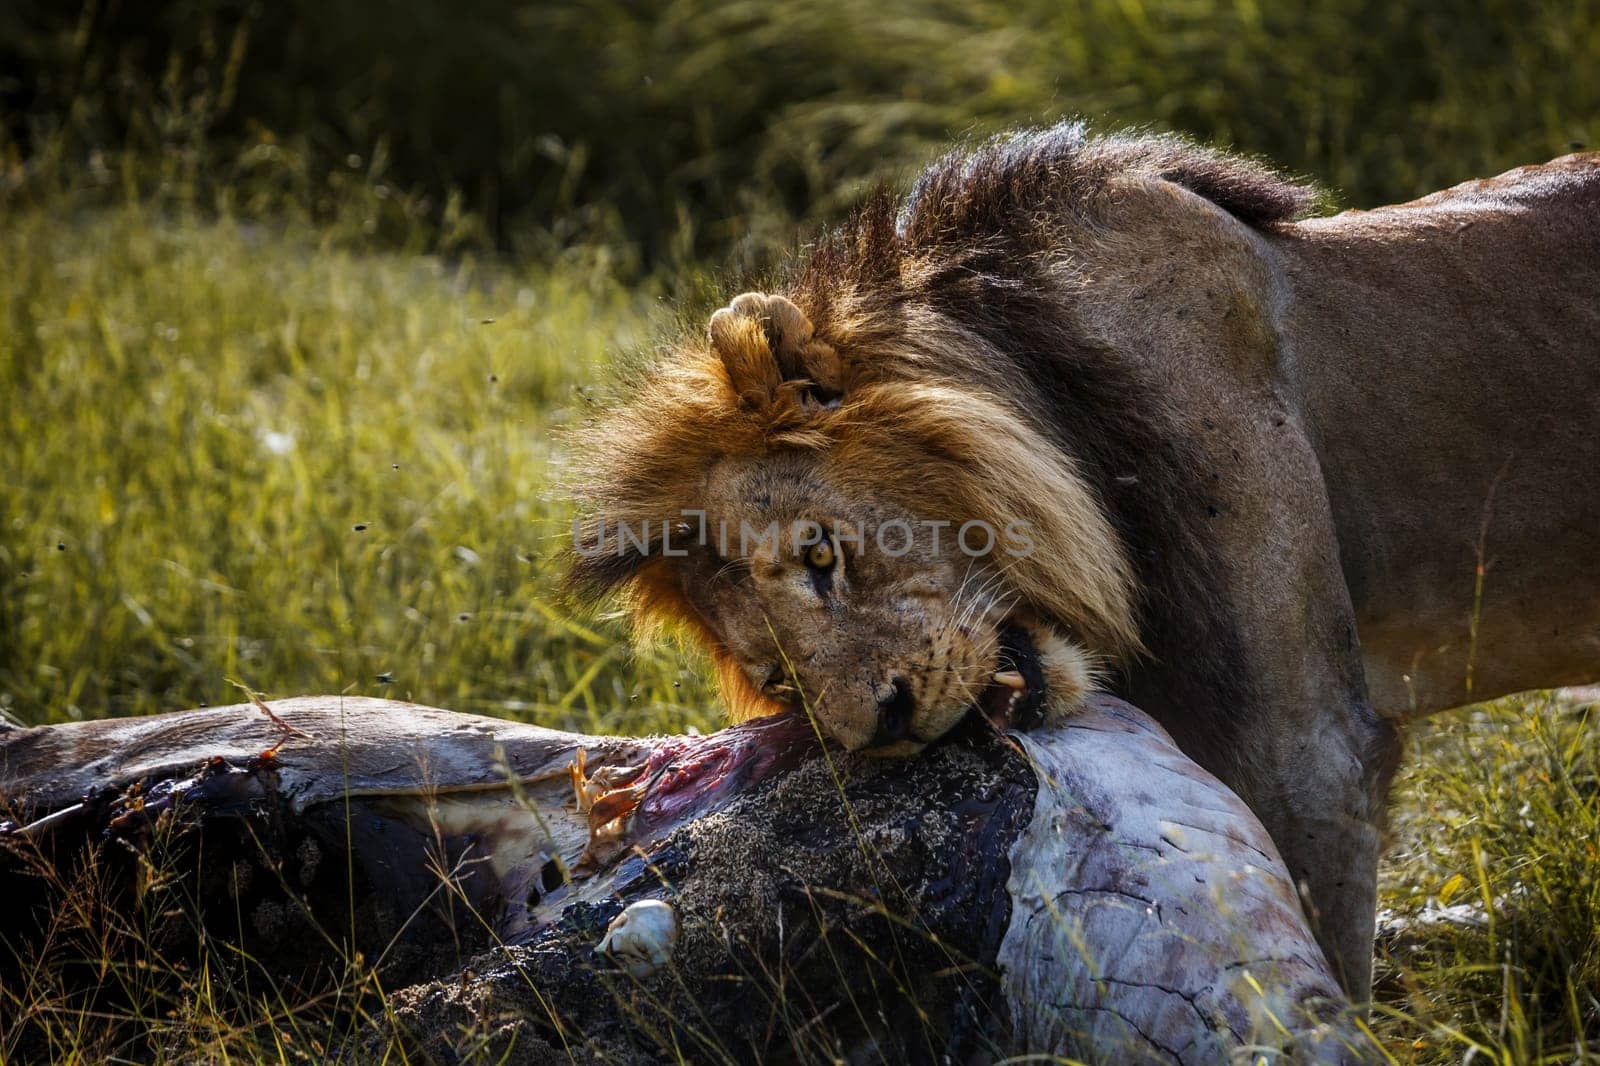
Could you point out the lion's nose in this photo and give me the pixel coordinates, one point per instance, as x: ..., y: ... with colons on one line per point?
x: 894, y: 713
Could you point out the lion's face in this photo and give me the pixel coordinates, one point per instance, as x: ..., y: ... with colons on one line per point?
x: 885, y: 625
x: 889, y: 553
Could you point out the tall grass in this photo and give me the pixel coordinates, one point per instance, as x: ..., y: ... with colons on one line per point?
x: 233, y: 451
x: 1495, y: 869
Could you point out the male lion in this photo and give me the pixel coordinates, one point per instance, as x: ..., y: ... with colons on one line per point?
x: 1281, y: 483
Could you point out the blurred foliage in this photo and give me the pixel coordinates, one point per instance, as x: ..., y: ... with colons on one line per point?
x: 687, y: 128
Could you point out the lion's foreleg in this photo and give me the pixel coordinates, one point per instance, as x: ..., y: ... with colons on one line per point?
x: 1298, y: 739
x: 1328, y: 787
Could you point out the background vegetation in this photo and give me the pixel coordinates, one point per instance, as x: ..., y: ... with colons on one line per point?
x: 294, y: 297
x: 684, y: 128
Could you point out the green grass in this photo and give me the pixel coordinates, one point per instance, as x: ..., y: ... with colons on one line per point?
x: 229, y: 451
x: 246, y: 449
x: 1498, y: 811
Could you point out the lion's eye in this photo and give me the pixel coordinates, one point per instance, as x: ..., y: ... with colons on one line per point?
x: 820, y: 555
x: 820, y: 560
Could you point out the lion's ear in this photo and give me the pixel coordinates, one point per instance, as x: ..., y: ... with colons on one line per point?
x: 766, y: 343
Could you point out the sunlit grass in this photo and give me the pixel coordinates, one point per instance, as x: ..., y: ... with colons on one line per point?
x: 1498, y: 817
x: 229, y: 451
x: 239, y: 450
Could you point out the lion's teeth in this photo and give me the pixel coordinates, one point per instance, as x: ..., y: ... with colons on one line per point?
x: 1011, y: 679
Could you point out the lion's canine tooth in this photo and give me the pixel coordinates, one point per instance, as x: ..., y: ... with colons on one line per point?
x: 1011, y: 679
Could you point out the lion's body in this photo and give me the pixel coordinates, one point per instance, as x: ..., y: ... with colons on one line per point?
x: 1261, y: 459
x: 1449, y: 367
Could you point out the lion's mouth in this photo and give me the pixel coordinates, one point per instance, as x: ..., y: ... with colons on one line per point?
x: 1015, y: 698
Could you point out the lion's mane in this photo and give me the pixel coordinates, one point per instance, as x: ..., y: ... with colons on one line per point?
x: 941, y: 321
